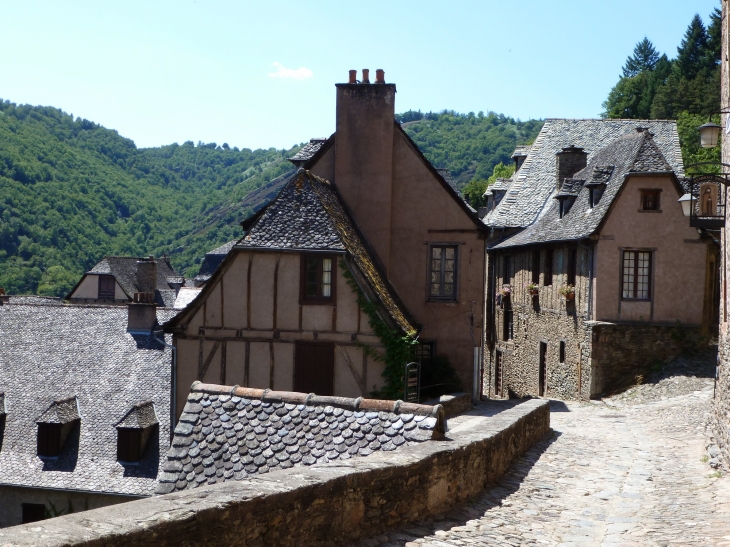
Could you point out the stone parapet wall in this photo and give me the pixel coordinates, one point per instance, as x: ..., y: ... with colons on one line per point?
x: 623, y: 352
x: 327, y: 504
x: 721, y: 407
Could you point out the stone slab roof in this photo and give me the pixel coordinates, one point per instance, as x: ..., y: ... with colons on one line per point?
x: 629, y: 154
x: 50, y: 352
x: 140, y: 416
x: 231, y: 433
x: 535, y: 182
x: 308, y: 214
x: 124, y: 270
x: 185, y: 296
x: 307, y: 151
x: 213, y: 259
x: 62, y: 411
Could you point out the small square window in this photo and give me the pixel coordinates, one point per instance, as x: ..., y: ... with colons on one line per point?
x: 318, y: 276
x: 650, y: 200
x: 423, y: 351
x: 443, y: 272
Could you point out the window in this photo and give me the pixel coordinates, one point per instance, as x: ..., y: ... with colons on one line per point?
x: 549, y: 267
x: 572, y: 259
x: 33, y: 512
x: 107, y: 284
x: 317, y: 279
x: 443, y: 272
x: 49, y: 440
x: 506, y: 269
x: 507, y: 320
x: 129, y: 444
x: 536, y: 267
x: 498, y: 373
x: 423, y: 351
x: 650, y: 200
x: 562, y: 351
x: 636, y: 278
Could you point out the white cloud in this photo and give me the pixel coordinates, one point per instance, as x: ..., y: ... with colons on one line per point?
x: 300, y: 73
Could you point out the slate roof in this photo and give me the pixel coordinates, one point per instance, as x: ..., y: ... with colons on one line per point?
x: 307, y: 151
x: 212, y: 260
x: 124, y: 270
x: 521, y: 151
x: 62, y: 411
x: 2, y: 404
x: 448, y: 178
x: 308, y: 214
x: 52, y: 351
x: 534, y: 183
x: 631, y: 153
x: 498, y: 185
x: 140, y: 416
x: 230, y: 433
x: 185, y: 296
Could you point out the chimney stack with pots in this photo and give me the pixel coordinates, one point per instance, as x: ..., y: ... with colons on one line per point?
x: 142, y: 311
x: 569, y: 161
x: 365, y: 76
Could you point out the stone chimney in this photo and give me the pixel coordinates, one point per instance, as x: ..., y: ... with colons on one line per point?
x: 142, y: 311
x: 570, y: 160
x: 4, y: 298
x: 364, y: 155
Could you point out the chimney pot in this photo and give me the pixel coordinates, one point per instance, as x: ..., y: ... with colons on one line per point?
x: 380, y: 76
x: 365, y: 75
x: 353, y: 77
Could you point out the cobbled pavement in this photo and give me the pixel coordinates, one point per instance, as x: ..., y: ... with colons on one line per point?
x: 630, y: 470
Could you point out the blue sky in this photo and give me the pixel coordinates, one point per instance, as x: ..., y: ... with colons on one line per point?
x: 261, y: 74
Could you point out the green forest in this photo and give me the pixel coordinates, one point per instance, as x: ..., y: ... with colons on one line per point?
x: 74, y: 191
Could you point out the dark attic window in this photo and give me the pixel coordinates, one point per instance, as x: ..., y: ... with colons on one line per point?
x: 49, y: 440
x: 107, y: 284
x: 650, y: 200
x: 33, y: 512
x: 129, y: 444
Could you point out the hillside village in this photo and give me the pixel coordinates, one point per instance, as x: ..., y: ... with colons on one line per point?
x: 377, y: 359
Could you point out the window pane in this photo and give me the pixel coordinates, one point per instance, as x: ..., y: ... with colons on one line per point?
x: 326, y: 264
x: 628, y: 275
x: 643, y: 272
x: 449, y: 277
x: 436, y: 277
x: 448, y: 289
x: 435, y: 289
x: 449, y: 253
x: 436, y: 252
x: 436, y: 265
x: 326, y: 277
x: 449, y: 265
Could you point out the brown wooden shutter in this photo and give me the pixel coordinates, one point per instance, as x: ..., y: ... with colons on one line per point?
x: 49, y: 440
x: 314, y: 368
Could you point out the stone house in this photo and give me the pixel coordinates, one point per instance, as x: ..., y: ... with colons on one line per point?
x: 233, y: 433
x: 367, y: 205
x: 115, y: 279
x: 594, y: 274
x: 85, y: 416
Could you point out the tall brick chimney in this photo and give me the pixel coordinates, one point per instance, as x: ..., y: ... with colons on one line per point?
x: 147, y: 274
x: 569, y: 161
x: 364, y: 156
x: 142, y: 311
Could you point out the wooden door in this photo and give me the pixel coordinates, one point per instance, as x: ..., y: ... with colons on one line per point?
x: 543, y: 369
x: 314, y: 368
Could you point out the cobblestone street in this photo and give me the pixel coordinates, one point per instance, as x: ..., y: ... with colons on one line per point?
x: 629, y: 470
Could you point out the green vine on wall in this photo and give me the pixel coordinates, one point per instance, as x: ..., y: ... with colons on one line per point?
x: 398, y: 347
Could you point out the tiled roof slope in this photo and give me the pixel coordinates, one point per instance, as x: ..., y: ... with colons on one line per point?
x: 631, y: 153
x: 534, y: 183
x: 50, y: 352
x: 308, y: 215
x: 141, y: 416
x: 124, y: 269
x: 230, y: 433
x: 307, y: 151
x: 448, y: 178
x: 62, y: 411
x: 213, y: 259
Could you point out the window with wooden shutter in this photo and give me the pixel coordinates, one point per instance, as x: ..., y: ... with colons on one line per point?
x: 548, y: 267
x: 107, y: 284
x: 536, y: 267
x: 129, y: 444
x: 49, y: 440
x: 572, y: 265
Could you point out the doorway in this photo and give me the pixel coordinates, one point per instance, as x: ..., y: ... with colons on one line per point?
x: 498, y: 373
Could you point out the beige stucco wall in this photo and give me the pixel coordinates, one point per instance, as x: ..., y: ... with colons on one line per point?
x: 64, y: 502
x: 678, y: 257
x: 88, y: 289
x: 264, y: 336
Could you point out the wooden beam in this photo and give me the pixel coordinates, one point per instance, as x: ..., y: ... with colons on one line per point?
x: 248, y: 292
x: 358, y: 378
x: 276, y: 287
x: 208, y: 360
x: 246, y: 364
x: 223, y: 363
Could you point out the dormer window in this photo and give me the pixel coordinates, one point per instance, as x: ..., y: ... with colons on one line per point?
x: 55, y: 425
x: 564, y: 205
x: 134, y: 431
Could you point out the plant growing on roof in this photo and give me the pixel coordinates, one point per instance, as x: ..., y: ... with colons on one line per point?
x: 398, y: 346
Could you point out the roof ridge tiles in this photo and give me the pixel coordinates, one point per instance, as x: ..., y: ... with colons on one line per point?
x: 310, y: 399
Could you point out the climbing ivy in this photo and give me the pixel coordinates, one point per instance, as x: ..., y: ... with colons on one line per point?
x: 398, y: 347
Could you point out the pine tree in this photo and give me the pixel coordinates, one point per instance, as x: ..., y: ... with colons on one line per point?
x: 692, y: 52
x: 714, y: 37
x: 644, y: 59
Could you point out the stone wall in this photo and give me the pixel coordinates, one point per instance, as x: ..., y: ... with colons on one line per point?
x: 328, y: 504
x: 622, y: 352
x: 721, y: 407
x: 57, y: 502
